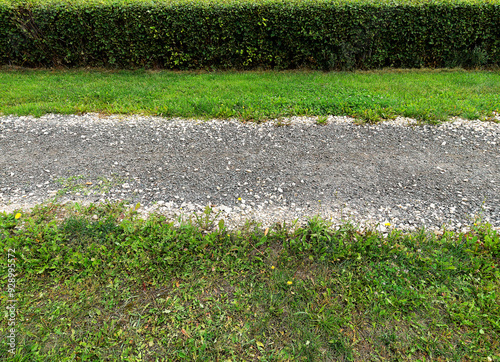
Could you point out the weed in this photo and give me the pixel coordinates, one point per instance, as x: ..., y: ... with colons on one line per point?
x: 75, y: 184
x: 70, y: 184
x: 321, y: 120
x: 207, y: 220
x: 282, y: 123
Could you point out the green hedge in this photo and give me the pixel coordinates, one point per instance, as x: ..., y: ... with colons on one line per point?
x: 247, y: 34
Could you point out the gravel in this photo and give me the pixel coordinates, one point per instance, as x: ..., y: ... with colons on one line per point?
x: 398, y: 172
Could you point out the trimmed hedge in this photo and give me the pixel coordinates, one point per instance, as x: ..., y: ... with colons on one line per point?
x: 247, y: 34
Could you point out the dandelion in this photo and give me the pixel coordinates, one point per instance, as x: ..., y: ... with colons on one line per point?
x: 387, y: 224
x: 239, y: 198
x: 289, y: 282
x: 272, y: 267
x: 18, y: 215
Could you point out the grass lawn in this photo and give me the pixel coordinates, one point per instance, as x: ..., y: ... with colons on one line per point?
x: 97, y: 283
x: 427, y: 95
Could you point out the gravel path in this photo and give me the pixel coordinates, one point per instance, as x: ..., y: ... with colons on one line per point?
x: 396, y: 172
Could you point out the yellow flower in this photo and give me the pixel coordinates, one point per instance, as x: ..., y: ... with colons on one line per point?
x: 289, y: 282
x: 239, y: 198
x: 18, y: 215
x: 387, y: 224
x: 272, y: 267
